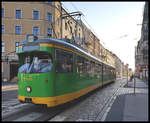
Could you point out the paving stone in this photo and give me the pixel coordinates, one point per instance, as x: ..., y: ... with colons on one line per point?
x: 90, y: 108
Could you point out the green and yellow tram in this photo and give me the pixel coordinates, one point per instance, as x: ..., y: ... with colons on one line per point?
x: 54, y: 72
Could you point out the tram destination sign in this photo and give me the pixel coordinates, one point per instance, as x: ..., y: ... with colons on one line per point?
x: 31, y: 48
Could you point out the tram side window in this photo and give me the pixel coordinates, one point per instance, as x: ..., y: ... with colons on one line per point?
x: 88, y: 66
x: 64, y: 61
x: 99, y: 68
x: 113, y: 71
x: 108, y: 70
x: 92, y: 67
x: 82, y: 65
x: 104, y: 69
x: 96, y: 68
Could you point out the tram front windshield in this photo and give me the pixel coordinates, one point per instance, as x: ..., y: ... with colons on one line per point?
x: 35, y: 63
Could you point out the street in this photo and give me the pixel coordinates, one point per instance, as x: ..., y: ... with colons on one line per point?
x: 108, y: 103
x: 13, y: 110
x: 74, y: 61
x: 9, y: 95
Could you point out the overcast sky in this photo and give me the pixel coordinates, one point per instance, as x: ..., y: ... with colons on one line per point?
x: 115, y: 24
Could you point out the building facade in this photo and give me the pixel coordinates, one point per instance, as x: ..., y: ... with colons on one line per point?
x: 141, y: 50
x: 43, y: 19
x: 20, y: 19
x: 118, y: 66
x: 110, y: 59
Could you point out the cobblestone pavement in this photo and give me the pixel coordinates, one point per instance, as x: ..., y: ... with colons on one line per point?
x: 130, y: 105
x: 93, y: 107
x: 11, y: 106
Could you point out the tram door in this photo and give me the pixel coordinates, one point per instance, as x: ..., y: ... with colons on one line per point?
x: 13, y: 70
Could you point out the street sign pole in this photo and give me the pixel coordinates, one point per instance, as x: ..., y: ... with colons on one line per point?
x: 134, y: 84
x: 127, y: 76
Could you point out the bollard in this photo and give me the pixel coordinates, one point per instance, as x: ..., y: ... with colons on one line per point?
x: 134, y: 84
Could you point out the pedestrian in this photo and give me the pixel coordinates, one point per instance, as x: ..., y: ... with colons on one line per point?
x: 131, y: 77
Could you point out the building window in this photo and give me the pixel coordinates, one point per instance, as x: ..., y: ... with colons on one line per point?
x: 70, y: 29
x: 17, y: 43
x: 3, y: 46
x: 66, y: 37
x: 35, y: 15
x: 36, y: 30
x: 18, y: 30
x: 65, y: 26
x: 49, y: 17
x: 49, y: 32
x: 18, y: 14
x: 3, y: 29
x: 79, y: 35
x: 3, y: 13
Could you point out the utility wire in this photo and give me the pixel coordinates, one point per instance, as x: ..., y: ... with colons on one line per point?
x: 74, y: 6
x: 85, y: 19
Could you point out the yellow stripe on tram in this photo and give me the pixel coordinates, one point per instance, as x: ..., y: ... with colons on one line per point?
x: 53, y: 101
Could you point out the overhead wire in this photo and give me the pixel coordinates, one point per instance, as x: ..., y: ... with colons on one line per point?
x: 85, y: 19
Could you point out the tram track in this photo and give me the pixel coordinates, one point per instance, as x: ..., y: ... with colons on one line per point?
x: 33, y: 113
x: 107, y: 104
x: 75, y: 113
x: 29, y: 112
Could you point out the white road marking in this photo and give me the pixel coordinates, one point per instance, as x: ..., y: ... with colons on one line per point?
x: 17, y: 106
x: 12, y: 87
x: 104, y: 116
x: 83, y: 120
x: 30, y: 117
x: 10, y: 102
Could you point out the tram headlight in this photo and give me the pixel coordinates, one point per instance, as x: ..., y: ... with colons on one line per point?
x: 28, y: 89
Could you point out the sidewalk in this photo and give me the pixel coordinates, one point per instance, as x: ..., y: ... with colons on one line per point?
x: 9, y: 83
x: 9, y: 86
x: 130, y: 106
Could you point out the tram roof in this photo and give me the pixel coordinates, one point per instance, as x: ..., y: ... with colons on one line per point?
x: 62, y: 43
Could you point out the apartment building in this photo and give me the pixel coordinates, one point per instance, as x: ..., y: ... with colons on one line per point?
x: 20, y: 19
x: 141, y: 50
x: 43, y: 19
x: 71, y: 28
x: 110, y: 59
x: 119, y: 66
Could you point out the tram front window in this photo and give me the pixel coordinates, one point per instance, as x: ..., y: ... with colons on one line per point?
x: 36, y: 63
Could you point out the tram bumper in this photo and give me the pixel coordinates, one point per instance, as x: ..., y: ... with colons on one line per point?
x: 49, y: 101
